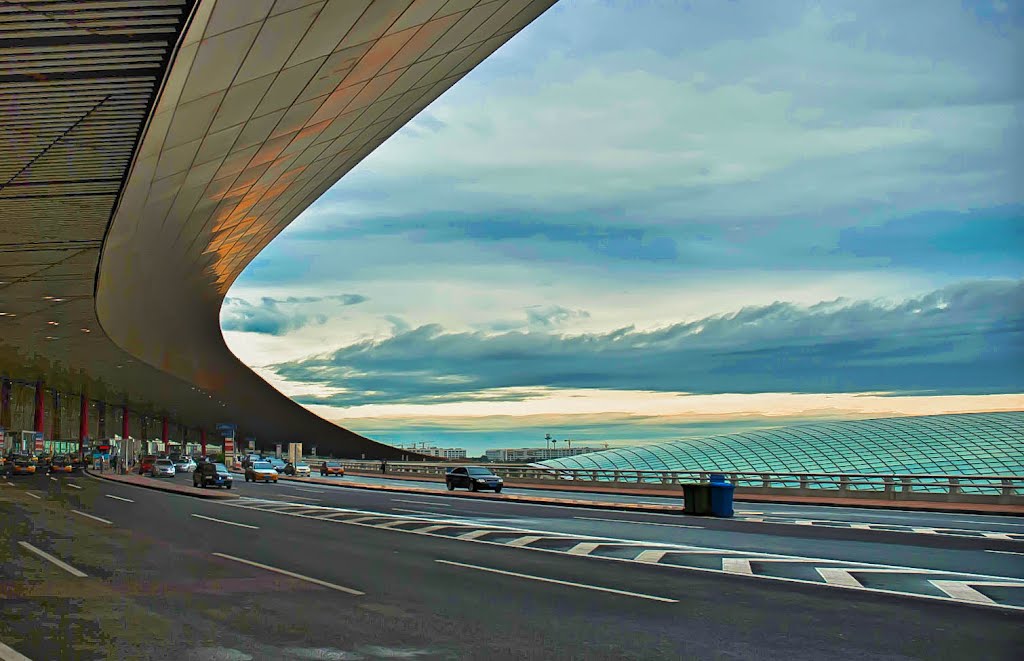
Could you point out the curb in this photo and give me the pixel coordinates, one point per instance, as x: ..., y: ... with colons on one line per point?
x: 205, y: 495
x: 756, y: 499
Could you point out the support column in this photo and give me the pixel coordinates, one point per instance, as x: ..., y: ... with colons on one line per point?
x: 5, y: 404
x: 164, y: 432
x: 202, y: 440
x: 55, y: 429
x: 83, y: 422
x: 39, y: 407
x: 124, y: 421
x: 101, y: 419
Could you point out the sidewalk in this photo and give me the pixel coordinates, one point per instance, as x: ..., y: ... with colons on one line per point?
x: 675, y: 493
x: 158, y: 484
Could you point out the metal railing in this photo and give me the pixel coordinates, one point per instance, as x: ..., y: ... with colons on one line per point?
x: 1005, y: 488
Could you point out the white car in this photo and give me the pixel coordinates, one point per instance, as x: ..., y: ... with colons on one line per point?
x: 163, y: 468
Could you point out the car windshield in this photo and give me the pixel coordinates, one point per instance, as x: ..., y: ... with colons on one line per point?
x: 302, y: 464
x: 221, y: 468
x: 333, y: 464
x: 479, y: 471
x: 163, y: 462
x: 261, y: 464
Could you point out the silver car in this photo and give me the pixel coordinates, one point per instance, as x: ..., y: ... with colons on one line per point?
x: 185, y: 465
x: 163, y: 468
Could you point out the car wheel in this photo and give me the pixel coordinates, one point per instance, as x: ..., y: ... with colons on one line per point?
x: 472, y: 486
x: 229, y: 486
x: 497, y: 490
x: 451, y: 487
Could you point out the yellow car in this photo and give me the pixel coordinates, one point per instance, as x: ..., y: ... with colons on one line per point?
x: 61, y: 464
x: 260, y: 471
x: 21, y: 465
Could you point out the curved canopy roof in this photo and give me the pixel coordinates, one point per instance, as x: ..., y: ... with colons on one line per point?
x: 967, y: 443
x: 150, y: 150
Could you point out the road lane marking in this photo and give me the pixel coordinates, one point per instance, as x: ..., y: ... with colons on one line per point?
x: 421, y: 502
x: 1006, y: 552
x: 304, y: 489
x: 11, y: 483
x: 315, y: 500
x: 73, y: 486
x: 127, y: 500
x: 542, y: 579
x: 110, y: 523
x: 230, y: 523
x: 639, y: 523
x: 53, y: 479
x: 11, y: 654
x: 57, y: 561
x: 309, y: 579
x: 34, y: 495
x: 399, y: 509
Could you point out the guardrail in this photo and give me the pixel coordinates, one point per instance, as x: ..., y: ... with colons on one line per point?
x: 1001, y: 489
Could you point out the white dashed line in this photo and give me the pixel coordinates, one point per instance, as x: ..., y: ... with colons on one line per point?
x: 1006, y: 552
x: 308, y: 579
x: 53, y: 479
x: 421, y: 502
x: 37, y: 497
x: 96, y: 518
x: 57, y: 561
x: 127, y: 500
x: 542, y: 579
x: 73, y: 486
x: 639, y: 523
x: 230, y: 523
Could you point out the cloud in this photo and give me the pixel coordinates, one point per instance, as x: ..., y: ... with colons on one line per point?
x: 552, y: 316
x: 278, y: 316
x: 963, y: 339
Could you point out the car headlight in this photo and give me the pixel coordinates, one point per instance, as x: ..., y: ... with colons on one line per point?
x: 479, y: 480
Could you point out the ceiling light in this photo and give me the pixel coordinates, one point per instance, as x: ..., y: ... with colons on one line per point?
x: 50, y: 337
x: 85, y: 330
x: 47, y: 298
x: 54, y: 323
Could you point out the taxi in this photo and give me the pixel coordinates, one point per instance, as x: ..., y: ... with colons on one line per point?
x: 332, y: 468
x: 61, y: 464
x: 21, y: 464
x: 259, y: 471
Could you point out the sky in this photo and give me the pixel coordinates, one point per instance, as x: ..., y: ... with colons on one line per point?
x: 643, y: 221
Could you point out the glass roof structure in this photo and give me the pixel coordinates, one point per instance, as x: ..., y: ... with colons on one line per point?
x: 957, y: 444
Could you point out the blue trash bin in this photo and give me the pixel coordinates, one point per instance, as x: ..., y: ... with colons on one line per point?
x: 721, y: 496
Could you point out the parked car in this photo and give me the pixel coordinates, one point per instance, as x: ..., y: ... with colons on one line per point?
x: 209, y: 474
x: 61, y: 464
x: 473, y: 478
x: 163, y: 468
x: 260, y: 471
x: 300, y: 469
x: 184, y: 464
x: 146, y: 464
x: 332, y: 468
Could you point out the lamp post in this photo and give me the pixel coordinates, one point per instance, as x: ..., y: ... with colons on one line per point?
x: 547, y: 441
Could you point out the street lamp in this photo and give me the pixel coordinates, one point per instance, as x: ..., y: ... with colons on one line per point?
x: 547, y: 441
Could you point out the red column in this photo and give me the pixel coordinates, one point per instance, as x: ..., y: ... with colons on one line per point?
x: 39, y: 406
x: 202, y: 440
x: 83, y: 423
x: 124, y: 421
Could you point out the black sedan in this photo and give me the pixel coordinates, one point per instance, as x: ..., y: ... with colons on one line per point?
x: 209, y: 474
x: 473, y: 478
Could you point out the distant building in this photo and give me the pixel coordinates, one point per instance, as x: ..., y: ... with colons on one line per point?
x: 434, y: 451
x: 520, y: 455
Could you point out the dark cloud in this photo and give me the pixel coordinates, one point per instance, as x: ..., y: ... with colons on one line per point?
x: 277, y: 316
x: 966, y: 338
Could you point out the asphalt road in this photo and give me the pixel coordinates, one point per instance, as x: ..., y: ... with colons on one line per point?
x: 154, y: 588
